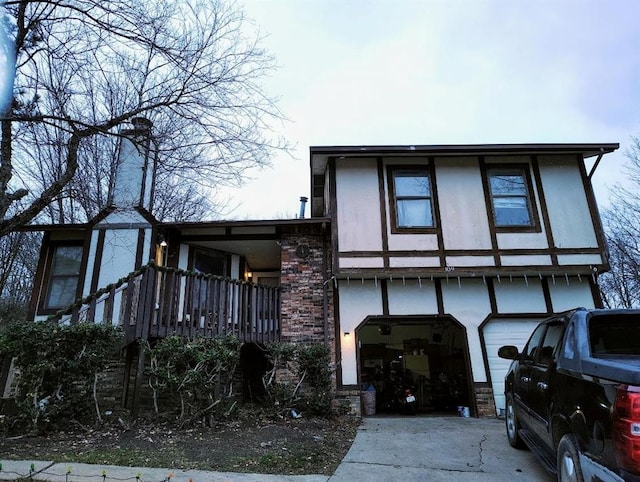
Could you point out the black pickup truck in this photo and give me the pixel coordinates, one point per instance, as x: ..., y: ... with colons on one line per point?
x: 573, y: 395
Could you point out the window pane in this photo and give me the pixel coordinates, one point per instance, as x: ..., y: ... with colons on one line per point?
x: 67, y: 260
x: 508, y: 184
x: 414, y: 213
x: 412, y: 184
x: 62, y: 292
x: 511, y: 211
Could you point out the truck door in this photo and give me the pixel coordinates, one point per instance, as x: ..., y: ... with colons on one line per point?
x: 540, y: 385
x: 522, y: 379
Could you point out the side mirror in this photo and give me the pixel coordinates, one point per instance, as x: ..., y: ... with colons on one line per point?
x: 509, y: 352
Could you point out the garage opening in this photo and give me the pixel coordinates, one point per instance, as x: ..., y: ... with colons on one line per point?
x: 428, y: 355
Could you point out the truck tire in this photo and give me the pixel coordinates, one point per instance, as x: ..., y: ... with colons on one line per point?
x: 569, y: 469
x: 511, y: 422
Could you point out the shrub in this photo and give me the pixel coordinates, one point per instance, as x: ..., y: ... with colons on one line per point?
x: 58, y: 369
x: 197, y: 373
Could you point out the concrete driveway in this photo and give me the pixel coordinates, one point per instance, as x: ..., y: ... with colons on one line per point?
x: 436, y: 449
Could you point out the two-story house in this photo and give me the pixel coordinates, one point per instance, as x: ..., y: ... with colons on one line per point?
x: 416, y: 264
x: 441, y: 254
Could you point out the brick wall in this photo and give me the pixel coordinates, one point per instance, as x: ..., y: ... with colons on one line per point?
x: 484, y: 400
x: 302, y: 289
x: 302, y: 284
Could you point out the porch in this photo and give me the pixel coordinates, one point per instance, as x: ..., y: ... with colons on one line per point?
x: 155, y: 302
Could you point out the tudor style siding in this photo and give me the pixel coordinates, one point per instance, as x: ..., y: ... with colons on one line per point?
x: 464, y: 238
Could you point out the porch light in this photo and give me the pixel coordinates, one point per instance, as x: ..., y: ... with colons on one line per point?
x: 163, y: 242
x: 347, y: 334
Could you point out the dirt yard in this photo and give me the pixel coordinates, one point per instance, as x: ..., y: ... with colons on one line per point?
x: 284, y: 446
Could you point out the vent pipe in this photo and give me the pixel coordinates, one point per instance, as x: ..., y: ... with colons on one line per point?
x: 303, y: 205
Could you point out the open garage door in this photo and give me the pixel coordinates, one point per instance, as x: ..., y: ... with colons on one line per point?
x: 501, y: 332
x: 428, y: 354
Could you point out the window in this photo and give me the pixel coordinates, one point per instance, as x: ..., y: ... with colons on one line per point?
x: 531, y: 350
x: 551, y: 342
x: 412, y: 198
x: 510, y: 197
x: 64, y: 277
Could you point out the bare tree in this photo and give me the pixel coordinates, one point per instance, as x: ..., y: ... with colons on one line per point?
x: 18, y: 258
x: 620, y: 287
x: 86, y: 67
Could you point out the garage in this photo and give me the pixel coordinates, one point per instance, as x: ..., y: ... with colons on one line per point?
x: 499, y: 332
x: 427, y: 355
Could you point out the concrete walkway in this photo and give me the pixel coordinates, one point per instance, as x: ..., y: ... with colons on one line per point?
x: 389, y: 448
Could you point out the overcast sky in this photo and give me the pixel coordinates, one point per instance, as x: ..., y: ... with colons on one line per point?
x: 379, y: 72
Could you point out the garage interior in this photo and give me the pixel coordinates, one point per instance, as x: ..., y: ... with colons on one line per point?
x: 427, y: 355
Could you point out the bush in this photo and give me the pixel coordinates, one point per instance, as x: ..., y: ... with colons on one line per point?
x: 58, y: 369
x: 198, y: 373
x: 307, y: 384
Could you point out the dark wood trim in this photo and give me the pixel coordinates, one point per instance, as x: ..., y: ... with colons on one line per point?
x: 333, y: 206
x: 544, y: 281
x: 595, y: 292
x: 97, y: 263
x: 194, y: 238
x: 384, y: 292
x: 38, y: 282
x: 437, y: 283
x: 338, y: 333
x: 543, y: 208
x: 383, y: 209
x: 595, y: 214
x: 489, y: 207
x: 471, y: 252
x: 491, y: 289
x: 436, y: 208
x: 140, y: 248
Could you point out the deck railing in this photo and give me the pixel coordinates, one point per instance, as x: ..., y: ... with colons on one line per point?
x: 156, y: 302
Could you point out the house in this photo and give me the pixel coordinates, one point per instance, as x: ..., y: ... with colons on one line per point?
x: 417, y: 263
x: 441, y: 254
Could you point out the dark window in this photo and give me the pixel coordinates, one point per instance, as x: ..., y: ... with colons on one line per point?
x: 615, y: 334
x: 412, y: 198
x: 550, y: 343
x: 531, y: 350
x: 210, y: 263
x: 64, y: 276
x: 510, y: 197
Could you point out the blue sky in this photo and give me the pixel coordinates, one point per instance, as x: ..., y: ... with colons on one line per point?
x: 444, y: 72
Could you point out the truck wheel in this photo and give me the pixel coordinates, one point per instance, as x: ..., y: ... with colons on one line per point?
x: 569, y: 469
x: 511, y: 421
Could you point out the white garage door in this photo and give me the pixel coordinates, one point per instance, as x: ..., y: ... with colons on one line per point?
x: 504, y: 332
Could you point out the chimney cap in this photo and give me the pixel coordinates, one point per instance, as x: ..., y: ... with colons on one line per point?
x: 141, y: 123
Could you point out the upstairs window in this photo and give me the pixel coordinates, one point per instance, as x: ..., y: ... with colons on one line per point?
x: 64, y: 277
x: 412, y: 198
x: 511, y: 198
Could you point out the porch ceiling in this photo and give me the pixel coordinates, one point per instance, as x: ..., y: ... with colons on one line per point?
x: 261, y: 254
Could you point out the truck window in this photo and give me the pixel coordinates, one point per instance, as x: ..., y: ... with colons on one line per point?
x: 531, y: 349
x: 550, y: 343
x: 614, y: 334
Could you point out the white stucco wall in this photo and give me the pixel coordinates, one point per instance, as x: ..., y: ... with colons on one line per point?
x: 357, y: 300
x: 570, y: 293
x: 412, y: 297
x: 467, y: 300
x: 569, y: 214
x: 463, y: 213
x: 518, y: 295
x: 358, y: 202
